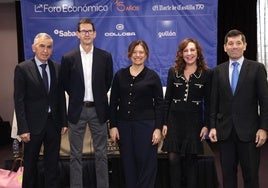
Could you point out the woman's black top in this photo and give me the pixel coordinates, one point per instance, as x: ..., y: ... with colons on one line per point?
x: 136, y: 97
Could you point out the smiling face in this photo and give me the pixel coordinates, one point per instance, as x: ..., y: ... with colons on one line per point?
x: 43, y: 48
x: 138, y: 55
x: 189, y: 54
x: 235, y: 47
x: 86, y: 34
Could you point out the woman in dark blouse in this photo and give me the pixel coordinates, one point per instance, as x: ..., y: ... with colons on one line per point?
x: 136, y: 117
x: 186, y: 111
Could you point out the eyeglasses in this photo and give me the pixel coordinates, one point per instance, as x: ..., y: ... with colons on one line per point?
x: 84, y: 32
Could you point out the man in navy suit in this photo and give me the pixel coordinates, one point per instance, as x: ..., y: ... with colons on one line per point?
x: 239, y: 119
x: 40, y: 112
x: 87, y: 74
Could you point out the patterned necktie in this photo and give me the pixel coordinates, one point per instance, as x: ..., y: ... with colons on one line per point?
x: 235, y: 75
x: 44, y: 75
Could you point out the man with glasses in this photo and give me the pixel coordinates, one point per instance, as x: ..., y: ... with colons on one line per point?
x: 87, y: 74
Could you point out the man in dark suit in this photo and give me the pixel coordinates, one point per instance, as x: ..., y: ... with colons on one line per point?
x: 239, y: 118
x: 40, y: 112
x: 87, y: 74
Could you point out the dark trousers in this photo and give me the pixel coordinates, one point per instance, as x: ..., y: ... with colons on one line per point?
x: 138, y: 155
x: 50, y: 137
x: 234, y: 151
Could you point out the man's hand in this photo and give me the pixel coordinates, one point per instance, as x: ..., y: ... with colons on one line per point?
x: 64, y: 130
x: 213, y: 135
x: 25, y: 137
x: 203, y: 133
x: 261, y: 137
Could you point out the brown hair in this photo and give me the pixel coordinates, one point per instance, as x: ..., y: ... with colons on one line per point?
x: 85, y: 21
x: 135, y: 43
x: 180, y: 64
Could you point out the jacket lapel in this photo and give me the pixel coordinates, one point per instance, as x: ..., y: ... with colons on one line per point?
x: 53, y: 76
x: 226, y: 79
x: 95, y: 58
x: 36, y: 75
x: 78, y: 62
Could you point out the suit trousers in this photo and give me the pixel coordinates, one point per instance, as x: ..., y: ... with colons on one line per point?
x: 137, y: 153
x: 99, y: 137
x: 234, y: 152
x: 50, y: 137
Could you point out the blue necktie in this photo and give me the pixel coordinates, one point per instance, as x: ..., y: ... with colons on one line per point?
x: 235, y: 75
x: 44, y: 75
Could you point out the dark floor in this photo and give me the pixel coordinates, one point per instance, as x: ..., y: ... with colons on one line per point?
x: 6, y: 154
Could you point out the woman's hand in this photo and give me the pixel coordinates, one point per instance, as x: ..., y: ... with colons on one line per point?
x: 156, y: 136
x: 114, y: 134
x: 164, y: 130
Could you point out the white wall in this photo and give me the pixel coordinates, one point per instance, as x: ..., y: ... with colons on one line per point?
x: 8, y: 58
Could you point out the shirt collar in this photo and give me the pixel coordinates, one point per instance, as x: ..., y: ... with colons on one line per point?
x: 38, y: 62
x: 84, y: 52
x: 240, y: 61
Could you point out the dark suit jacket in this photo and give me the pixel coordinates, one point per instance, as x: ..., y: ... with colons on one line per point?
x: 32, y: 100
x: 73, y: 81
x: 241, y: 109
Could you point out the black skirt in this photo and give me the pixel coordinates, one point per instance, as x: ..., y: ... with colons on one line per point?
x: 183, y: 133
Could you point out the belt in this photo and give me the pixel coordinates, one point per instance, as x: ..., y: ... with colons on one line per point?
x: 49, y: 115
x: 88, y: 104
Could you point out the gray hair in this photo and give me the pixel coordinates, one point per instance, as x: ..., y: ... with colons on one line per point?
x: 42, y: 35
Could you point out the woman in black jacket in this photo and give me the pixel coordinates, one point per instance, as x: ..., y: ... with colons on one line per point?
x: 136, y: 117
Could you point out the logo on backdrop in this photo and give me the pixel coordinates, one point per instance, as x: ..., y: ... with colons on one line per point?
x: 178, y: 7
x: 69, y: 8
x: 161, y: 23
x: 167, y: 29
x: 62, y: 33
x: 120, y: 32
x: 122, y: 7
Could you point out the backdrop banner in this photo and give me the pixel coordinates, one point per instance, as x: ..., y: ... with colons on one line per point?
x: 161, y: 23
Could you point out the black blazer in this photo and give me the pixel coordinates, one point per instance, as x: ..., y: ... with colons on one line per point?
x: 241, y: 109
x: 32, y: 100
x: 73, y: 81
